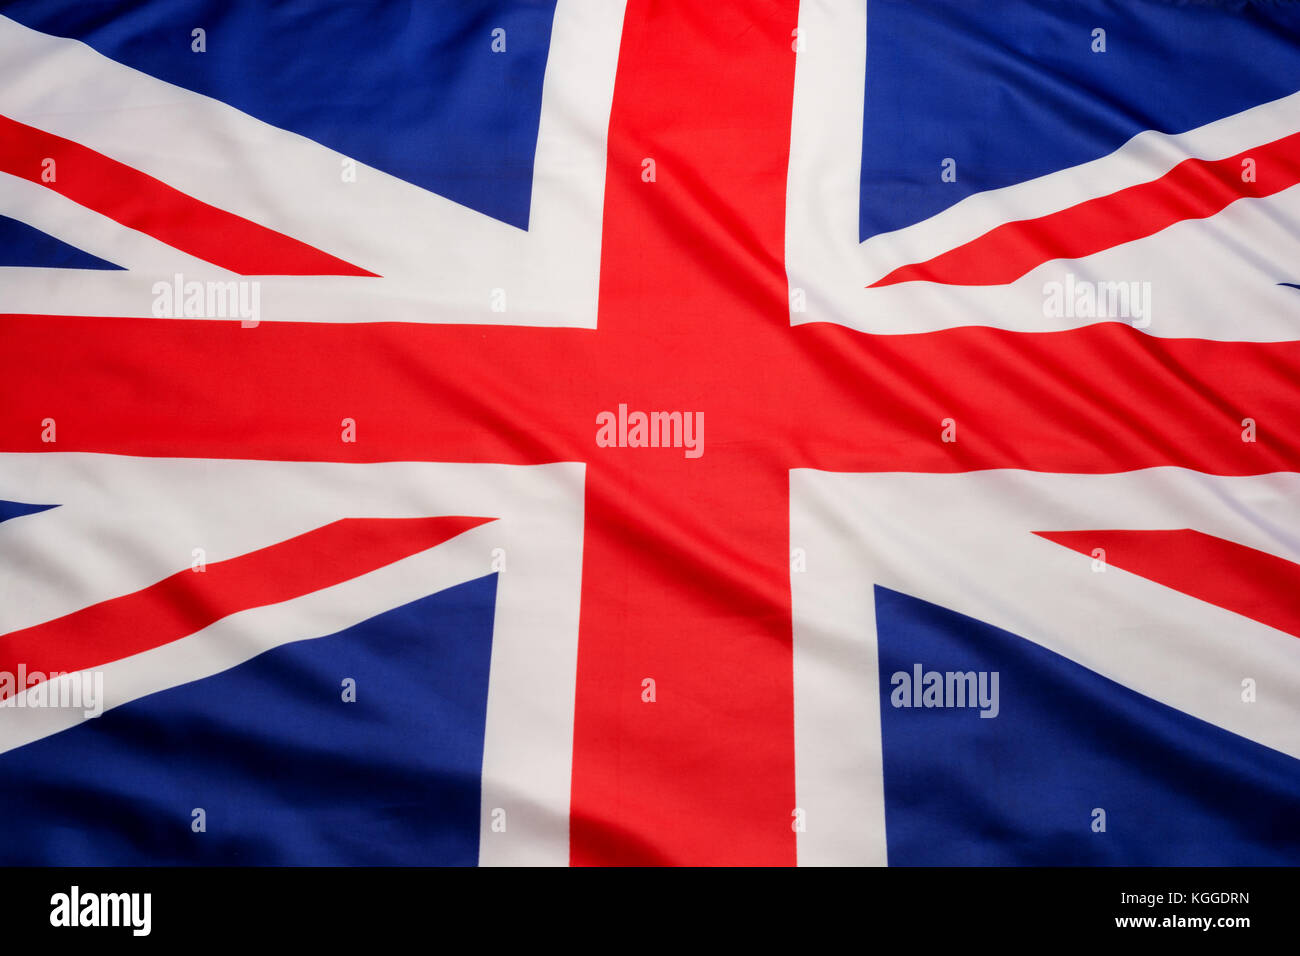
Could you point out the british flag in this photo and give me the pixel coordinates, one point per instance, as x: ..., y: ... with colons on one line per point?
x: 532, y: 432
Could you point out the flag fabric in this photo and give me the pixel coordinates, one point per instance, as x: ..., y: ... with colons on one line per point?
x: 545, y: 432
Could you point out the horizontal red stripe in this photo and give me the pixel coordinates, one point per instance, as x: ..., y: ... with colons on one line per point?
x: 1194, y: 189
x: 1103, y: 398
x: 188, y: 601
x: 140, y: 202
x: 1246, y: 581
x: 282, y: 390
x: 1099, y: 399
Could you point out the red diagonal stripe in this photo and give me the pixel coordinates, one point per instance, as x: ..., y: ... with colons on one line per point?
x: 1194, y: 189
x: 188, y: 601
x: 140, y: 202
x: 1252, y: 583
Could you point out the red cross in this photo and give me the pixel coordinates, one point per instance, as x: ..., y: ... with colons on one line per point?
x: 686, y: 573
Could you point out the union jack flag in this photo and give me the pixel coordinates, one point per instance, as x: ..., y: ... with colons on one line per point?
x: 535, y: 432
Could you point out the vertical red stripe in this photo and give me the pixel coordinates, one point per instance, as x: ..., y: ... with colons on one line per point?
x: 685, y: 563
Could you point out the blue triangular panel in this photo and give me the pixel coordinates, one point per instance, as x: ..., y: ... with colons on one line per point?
x: 16, y: 509
x: 1015, y: 89
x: 1021, y: 787
x: 446, y: 94
x: 24, y: 245
x: 284, y: 769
